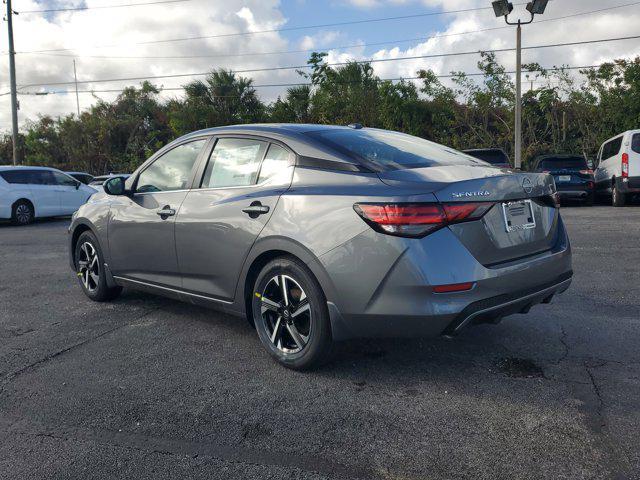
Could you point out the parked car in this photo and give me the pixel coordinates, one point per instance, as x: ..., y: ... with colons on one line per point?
x: 98, y: 181
x: 618, y: 167
x: 320, y: 233
x: 27, y: 193
x: 494, y: 156
x: 85, y: 178
x: 573, y: 177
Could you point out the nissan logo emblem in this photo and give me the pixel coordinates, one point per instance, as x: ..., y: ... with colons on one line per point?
x: 527, y: 185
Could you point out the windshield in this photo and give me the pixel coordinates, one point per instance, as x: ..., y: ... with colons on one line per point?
x: 391, y: 150
x: 573, y: 163
x: 494, y: 157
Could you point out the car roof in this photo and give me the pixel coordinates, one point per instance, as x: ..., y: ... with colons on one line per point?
x: 477, y: 150
x: 559, y: 156
x: 26, y: 167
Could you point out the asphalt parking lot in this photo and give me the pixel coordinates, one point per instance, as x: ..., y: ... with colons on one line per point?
x: 147, y: 387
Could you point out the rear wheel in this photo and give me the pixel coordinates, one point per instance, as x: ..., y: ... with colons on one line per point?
x: 290, y: 314
x: 22, y: 213
x: 618, y: 199
x: 90, y: 269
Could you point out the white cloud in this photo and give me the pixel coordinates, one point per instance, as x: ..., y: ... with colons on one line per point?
x: 123, y: 27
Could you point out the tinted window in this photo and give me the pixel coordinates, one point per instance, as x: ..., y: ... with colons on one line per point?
x: 574, y: 163
x: 494, y: 157
x: 41, y: 177
x: 391, y: 150
x: 172, y: 170
x: 612, y: 148
x: 234, y: 162
x: 275, y: 161
x: 16, y: 176
x: 635, y: 143
x: 62, y: 179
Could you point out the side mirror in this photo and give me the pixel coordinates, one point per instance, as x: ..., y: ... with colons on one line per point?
x: 77, y: 185
x: 115, y: 186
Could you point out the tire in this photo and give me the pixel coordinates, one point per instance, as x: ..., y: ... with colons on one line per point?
x: 618, y: 199
x: 295, y: 333
x: 22, y: 213
x: 89, y: 263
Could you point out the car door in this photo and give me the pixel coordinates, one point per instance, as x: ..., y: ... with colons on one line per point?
x: 141, y: 225
x: 218, y: 223
x: 70, y: 195
x: 45, y: 195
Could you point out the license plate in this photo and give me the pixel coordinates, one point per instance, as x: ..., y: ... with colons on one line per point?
x: 564, y: 178
x: 518, y: 215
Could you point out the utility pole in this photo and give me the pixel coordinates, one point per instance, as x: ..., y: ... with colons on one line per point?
x: 502, y: 8
x: 75, y: 76
x: 518, y: 142
x: 12, y: 77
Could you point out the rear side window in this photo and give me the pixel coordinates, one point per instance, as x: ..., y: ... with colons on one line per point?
x: 275, y: 161
x: 20, y: 177
x: 576, y: 163
x: 172, y: 170
x: 635, y: 142
x: 611, y: 148
x: 387, y: 150
x: 234, y: 162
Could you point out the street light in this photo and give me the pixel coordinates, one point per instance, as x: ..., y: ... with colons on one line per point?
x: 502, y: 8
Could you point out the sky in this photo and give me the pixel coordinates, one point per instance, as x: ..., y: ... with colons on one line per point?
x: 103, y: 41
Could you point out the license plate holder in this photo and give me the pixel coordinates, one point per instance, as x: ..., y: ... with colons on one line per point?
x: 564, y: 178
x: 518, y: 215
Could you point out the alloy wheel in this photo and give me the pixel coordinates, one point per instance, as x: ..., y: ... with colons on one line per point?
x: 89, y: 267
x: 286, y: 313
x: 23, y: 213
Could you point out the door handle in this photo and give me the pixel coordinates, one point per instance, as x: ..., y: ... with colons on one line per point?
x: 166, y: 211
x: 256, y: 209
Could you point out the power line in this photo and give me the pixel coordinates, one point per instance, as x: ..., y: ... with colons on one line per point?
x: 302, y: 84
x: 298, y: 67
x: 52, y: 51
x: 284, y: 29
x: 77, y: 9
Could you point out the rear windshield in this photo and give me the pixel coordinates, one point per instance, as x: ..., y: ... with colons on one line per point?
x: 635, y: 143
x: 494, y: 157
x: 577, y: 163
x: 391, y: 150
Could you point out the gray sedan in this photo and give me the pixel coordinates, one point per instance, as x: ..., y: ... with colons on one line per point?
x: 319, y: 233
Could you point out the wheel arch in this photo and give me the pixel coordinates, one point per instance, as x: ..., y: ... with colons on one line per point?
x: 266, y: 250
x: 24, y: 199
x: 76, y: 229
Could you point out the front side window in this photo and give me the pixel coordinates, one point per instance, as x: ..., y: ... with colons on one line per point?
x: 234, y: 162
x: 65, y: 180
x: 172, y: 170
x: 391, y: 150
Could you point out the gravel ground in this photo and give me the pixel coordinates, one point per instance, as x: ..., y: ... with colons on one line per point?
x: 147, y: 387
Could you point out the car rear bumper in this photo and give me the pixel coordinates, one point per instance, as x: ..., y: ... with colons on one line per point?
x: 629, y: 185
x: 384, y: 285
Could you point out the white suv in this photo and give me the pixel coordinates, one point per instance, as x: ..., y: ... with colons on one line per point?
x: 31, y: 192
x: 618, y: 167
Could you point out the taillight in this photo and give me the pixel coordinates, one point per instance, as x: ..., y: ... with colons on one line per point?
x: 586, y: 172
x: 418, y: 219
x: 546, y: 171
x: 625, y: 165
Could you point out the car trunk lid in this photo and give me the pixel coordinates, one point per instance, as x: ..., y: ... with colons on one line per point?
x: 492, y: 239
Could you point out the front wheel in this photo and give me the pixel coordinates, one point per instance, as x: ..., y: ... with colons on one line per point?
x: 290, y: 314
x: 90, y: 269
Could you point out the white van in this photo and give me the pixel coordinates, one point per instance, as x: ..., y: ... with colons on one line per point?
x: 32, y: 192
x: 618, y: 167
